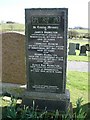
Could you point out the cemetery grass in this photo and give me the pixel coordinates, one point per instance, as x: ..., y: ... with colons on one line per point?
x: 77, y: 83
x: 79, y: 58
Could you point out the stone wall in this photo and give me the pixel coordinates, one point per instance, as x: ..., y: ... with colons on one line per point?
x: 13, y: 58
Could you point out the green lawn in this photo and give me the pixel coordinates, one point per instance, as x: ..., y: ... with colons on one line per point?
x: 77, y: 83
x: 79, y: 58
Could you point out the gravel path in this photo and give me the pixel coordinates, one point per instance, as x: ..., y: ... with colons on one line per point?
x: 78, y: 66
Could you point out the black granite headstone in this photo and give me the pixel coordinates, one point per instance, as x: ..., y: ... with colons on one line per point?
x: 77, y: 46
x: 87, y: 47
x: 46, y: 53
x: 83, y: 51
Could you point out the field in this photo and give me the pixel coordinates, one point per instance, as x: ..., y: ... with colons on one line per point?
x: 12, y: 27
x: 80, y: 30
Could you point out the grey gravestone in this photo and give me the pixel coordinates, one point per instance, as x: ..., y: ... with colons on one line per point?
x: 83, y: 51
x: 77, y: 46
x: 46, y: 58
x: 72, y: 48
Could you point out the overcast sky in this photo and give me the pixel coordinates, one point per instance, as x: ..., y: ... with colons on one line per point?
x: 14, y: 10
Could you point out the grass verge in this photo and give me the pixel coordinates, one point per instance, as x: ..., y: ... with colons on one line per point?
x: 77, y: 83
x: 79, y: 58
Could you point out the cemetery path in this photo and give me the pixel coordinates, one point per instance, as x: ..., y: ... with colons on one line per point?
x: 78, y: 66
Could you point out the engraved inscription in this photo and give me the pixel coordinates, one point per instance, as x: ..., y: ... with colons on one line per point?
x: 47, y: 47
x: 46, y: 20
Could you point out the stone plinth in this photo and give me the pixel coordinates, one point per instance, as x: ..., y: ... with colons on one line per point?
x: 52, y: 101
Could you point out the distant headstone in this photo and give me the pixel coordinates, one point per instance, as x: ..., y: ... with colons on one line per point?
x: 83, y: 51
x: 72, y: 48
x: 87, y: 47
x: 46, y: 43
x: 77, y: 46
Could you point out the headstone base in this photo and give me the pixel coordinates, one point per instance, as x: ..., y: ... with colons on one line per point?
x: 70, y: 53
x: 82, y: 54
x: 52, y: 101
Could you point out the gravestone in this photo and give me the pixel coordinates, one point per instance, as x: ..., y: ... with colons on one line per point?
x: 72, y: 48
x: 87, y: 47
x: 77, y: 46
x: 13, y: 58
x: 83, y: 51
x: 46, y: 58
